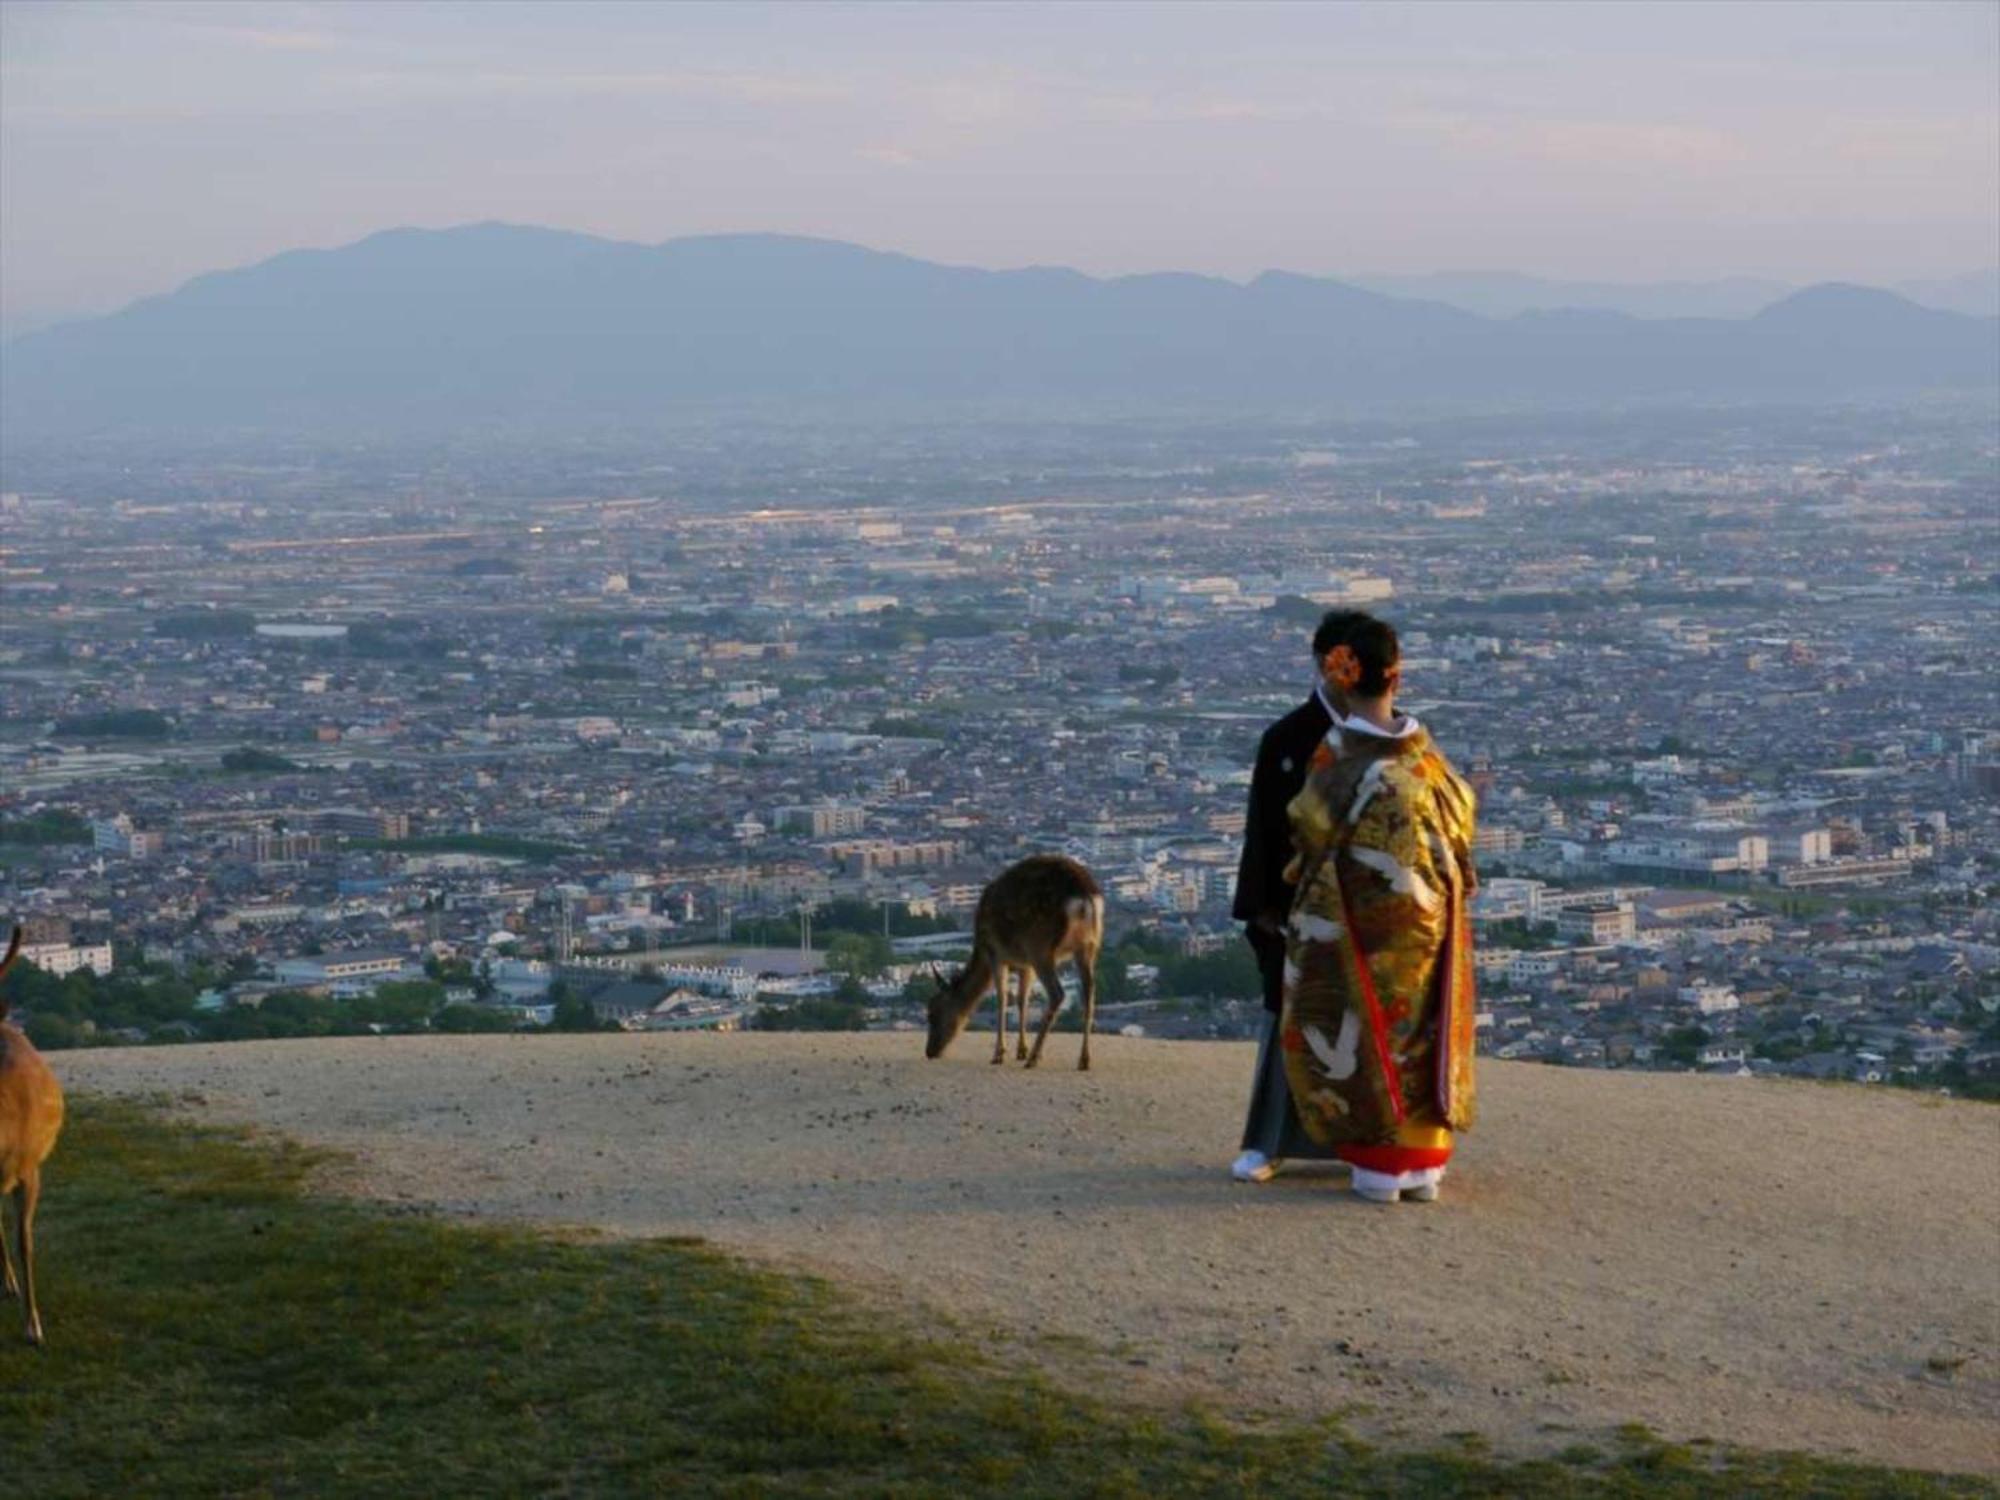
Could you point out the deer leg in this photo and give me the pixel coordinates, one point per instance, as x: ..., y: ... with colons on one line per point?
x: 25, y: 1196
x: 8, y: 1284
x: 1024, y: 981
x: 1053, y: 991
x: 1000, y: 1013
x: 1086, y: 976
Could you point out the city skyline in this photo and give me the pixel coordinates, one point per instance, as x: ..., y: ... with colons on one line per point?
x: 483, y: 721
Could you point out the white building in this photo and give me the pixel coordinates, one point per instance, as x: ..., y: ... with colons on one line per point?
x: 1505, y: 898
x: 865, y: 604
x: 1707, y: 853
x: 522, y: 982
x: 822, y: 819
x: 1525, y: 968
x: 66, y: 958
x: 118, y: 836
x: 1335, y: 589
x: 261, y: 914
x: 1801, y: 846
x: 1600, y: 922
x: 1709, y: 999
x: 1663, y: 771
x: 684, y: 1010
x: 346, y: 975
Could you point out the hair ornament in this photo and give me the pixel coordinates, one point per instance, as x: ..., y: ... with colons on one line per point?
x: 1343, y: 668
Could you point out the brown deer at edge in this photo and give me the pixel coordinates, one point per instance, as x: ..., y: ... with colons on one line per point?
x: 31, y: 1114
x: 1034, y: 915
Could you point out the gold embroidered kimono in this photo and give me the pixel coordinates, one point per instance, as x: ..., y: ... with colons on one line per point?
x: 1379, y: 1002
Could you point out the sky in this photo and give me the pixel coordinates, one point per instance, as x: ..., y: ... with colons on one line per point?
x: 144, y: 143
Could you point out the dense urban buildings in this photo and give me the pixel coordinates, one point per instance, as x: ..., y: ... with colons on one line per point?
x: 732, y: 734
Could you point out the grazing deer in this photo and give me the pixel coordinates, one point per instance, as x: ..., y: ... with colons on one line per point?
x: 31, y: 1113
x: 1033, y: 915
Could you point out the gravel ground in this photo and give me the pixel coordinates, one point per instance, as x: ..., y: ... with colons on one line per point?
x: 1775, y: 1264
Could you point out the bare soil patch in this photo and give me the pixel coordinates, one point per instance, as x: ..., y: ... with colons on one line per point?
x: 1769, y: 1264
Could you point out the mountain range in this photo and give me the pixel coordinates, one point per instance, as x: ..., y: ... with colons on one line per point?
x: 1505, y: 294
x: 424, y: 330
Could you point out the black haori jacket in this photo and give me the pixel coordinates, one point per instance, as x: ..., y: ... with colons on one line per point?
x: 1261, y: 890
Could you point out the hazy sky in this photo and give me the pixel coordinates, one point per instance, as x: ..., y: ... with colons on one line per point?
x: 143, y: 143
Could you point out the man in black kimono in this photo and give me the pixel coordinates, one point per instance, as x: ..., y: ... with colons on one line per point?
x: 1263, y: 899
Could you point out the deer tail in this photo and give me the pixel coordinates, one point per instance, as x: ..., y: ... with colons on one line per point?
x: 1086, y: 912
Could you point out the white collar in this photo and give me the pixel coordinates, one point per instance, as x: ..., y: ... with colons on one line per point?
x: 1357, y: 725
x: 1343, y: 721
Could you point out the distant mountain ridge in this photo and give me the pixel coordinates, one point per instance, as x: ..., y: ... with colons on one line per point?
x: 430, y: 329
x: 1507, y: 294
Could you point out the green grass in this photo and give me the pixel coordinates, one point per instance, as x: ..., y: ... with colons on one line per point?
x: 1804, y: 905
x: 216, y: 1330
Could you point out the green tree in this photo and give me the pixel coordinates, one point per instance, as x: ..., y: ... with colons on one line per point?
x: 810, y: 1015
x: 292, y: 1013
x: 1114, y: 980
x: 248, y: 758
x: 473, y: 1019
x: 449, y: 971
x: 1230, y: 972
x: 572, y: 1011
x: 287, y: 1013
x: 919, y: 987
x: 53, y: 1033
x: 859, y: 955
x: 849, y: 914
x: 1682, y: 1043
x: 206, y: 624
x: 56, y: 825
x: 117, y: 723
x: 400, y: 1003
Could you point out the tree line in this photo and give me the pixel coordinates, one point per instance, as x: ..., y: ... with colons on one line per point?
x: 151, y: 1003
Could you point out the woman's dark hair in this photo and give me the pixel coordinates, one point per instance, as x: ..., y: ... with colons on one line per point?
x: 1375, y: 646
x: 1334, y: 626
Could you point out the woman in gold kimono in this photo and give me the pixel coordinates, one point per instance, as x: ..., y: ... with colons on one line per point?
x: 1378, y: 1018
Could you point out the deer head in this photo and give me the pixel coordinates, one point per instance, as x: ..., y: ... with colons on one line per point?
x: 949, y: 1007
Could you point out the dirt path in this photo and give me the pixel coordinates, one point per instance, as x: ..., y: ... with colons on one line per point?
x: 1773, y: 1264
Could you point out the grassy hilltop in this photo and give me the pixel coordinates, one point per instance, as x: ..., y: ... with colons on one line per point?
x: 215, y: 1328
